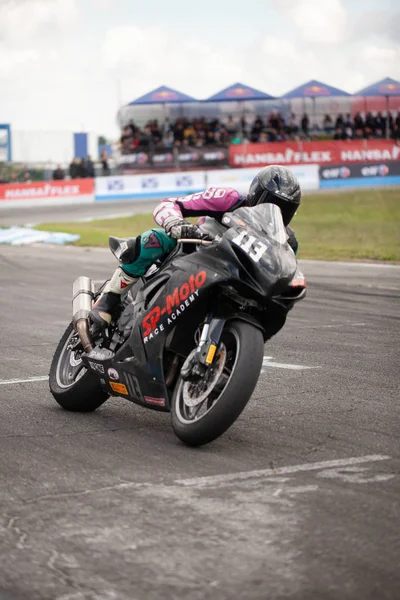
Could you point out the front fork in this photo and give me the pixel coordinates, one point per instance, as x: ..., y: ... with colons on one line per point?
x: 206, y: 349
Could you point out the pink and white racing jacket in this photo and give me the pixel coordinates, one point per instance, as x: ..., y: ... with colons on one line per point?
x: 213, y: 202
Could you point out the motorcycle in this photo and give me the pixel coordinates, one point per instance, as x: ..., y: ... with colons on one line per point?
x: 189, y: 337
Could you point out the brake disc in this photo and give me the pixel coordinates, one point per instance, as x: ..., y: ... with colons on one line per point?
x: 195, y: 392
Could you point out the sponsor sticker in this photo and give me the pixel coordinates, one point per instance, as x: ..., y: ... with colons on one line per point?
x: 162, y: 158
x: 149, y: 183
x: 375, y: 171
x: 154, y: 401
x: 219, y: 155
x: 184, y: 181
x: 96, y: 367
x: 115, y: 185
x: 175, y: 304
x: 315, y: 152
x: 113, y: 374
x: 120, y: 388
x: 336, y: 173
x: 356, y: 171
x: 46, y: 189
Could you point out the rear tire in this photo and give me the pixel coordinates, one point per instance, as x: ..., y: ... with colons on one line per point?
x: 236, y: 393
x: 84, y: 394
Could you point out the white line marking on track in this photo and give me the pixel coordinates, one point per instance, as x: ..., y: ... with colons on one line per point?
x: 243, y: 475
x: 329, y: 263
x: 28, y: 379
x: 267, y: 362
x: 332, y: 326
x: 354, y: 475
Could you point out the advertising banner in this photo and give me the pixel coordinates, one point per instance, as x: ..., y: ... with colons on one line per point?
x: 157, y: 185
x: 320, y: 152
x: 169, y: 160
x: 355, y: 175
x: 47, y: 192
x: 240, y: 179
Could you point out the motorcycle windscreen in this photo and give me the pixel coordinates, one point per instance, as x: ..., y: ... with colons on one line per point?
x: 260, y: 233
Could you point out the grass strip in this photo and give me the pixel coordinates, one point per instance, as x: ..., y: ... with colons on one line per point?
x: 354, y: 225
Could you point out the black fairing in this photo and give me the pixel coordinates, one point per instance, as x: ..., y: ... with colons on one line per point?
x: 239, y: 275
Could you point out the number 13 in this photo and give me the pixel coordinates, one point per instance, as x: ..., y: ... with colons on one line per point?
x: 251, y: 246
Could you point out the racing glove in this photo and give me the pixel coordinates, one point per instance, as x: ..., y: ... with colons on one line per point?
x: 183, y: 229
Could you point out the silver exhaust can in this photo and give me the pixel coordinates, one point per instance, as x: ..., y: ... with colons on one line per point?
x: 82, y: 301
x: 82, y: 298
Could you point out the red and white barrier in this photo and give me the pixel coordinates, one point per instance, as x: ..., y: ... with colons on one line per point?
x: 47, y: 193
x: 321, y: 152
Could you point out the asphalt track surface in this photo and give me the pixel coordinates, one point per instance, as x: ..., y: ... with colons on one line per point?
x: 74, y: 212
x: 300, y: 499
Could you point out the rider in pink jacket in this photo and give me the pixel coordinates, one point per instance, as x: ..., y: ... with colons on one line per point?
x: 275, y: 184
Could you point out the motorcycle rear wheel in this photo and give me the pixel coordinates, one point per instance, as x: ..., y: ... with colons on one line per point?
x: 71, y: 384
x: 202, y: 423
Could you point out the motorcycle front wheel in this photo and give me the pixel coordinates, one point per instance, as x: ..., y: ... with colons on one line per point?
x: 203, y: 410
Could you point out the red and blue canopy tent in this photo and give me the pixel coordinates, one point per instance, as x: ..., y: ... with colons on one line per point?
x: 384, y: 88
x: 239, y: 93
x: 314, y: 89
x: 163, y: 95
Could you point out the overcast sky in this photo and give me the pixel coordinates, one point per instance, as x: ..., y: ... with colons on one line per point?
x: 67, y: 64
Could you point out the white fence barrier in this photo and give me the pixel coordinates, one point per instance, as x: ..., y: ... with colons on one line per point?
x: 240, y: 179
x: 149, y: 185
x: 159, y: 185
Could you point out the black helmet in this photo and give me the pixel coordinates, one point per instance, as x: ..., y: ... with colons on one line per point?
x: 279, y: 186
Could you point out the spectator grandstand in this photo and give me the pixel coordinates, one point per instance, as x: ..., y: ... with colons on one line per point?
x: 167, y: 136
x: 199, y: 132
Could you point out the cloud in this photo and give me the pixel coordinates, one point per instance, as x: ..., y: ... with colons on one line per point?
x: 61, y: 68
x: 320, y: 22
x: 22, y: 20
x: 377, y: 23
x: 382, y: 61
x: 151, y: 56
x: 14, y: 58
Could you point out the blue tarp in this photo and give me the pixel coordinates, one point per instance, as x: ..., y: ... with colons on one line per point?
x: 18, y: 236
x: 386, y: 87
x: 237, y: 92
x: 314, y: 89
x: 161, y: 95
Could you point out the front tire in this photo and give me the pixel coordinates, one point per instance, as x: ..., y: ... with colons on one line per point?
x: 71, y: 384
x: 206, y: 421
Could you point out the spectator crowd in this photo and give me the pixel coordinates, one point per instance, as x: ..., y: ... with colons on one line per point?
x: 217, y: 132
x: 79, y: 168
x: 362, y: 127
x: 198, y: 132
x: 23, y: 176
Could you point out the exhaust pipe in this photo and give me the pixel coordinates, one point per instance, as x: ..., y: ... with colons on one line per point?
x: 82, y: 300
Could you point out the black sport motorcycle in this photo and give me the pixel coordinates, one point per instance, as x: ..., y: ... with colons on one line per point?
x: 189, y: 337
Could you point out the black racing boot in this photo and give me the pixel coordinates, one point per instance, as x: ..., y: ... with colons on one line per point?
x: 105, y: 307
